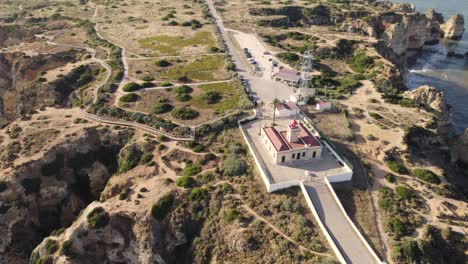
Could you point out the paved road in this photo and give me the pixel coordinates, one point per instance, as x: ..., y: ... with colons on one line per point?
x: 346, y: 239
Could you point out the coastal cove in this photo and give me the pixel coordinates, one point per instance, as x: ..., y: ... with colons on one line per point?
x: 447, y: 74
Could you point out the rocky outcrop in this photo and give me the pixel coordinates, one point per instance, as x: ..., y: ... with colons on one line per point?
x: 433, y: 100
x: 429, y: 97
x: 435, y: 16
x: 409, y: 32
x: 454, y: 27
x: 42, y: 195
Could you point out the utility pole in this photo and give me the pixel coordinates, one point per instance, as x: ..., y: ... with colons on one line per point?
x: 307, y: 68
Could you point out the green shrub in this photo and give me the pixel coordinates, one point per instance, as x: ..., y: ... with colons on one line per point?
x: 426, y: 175
x: 147, y: 84
x: 191, y: 169
x: 131, y: 87
x: 161, y: 108
x: 166, y: 84
x: 182, y: 97
x: 51, y: 246
x: 129, y: 158
x: 124, y: 193
x: 31, y: 185
x: 404, y: 193
x: 397, y: 167
x: 390, y: 178
x: 57, y: 232
x: 98, y: 218
x: 360, y: 61
x: 211, y: 97
x: 288, y: 57
x: 207, y: 158
x: 375, y: 115
x: 407, y: 251
x: 396, y: 226
x: 67, y: 249
x: 183, y: 89
x: 234, y: 165
x: 185, y: 182
x: 130, y: 97
x: 198, y: 194
x: 162, y: 63
x: 146, y: 158
x: 185, y: 113
x: 232, y: 215
x: 162, y: 207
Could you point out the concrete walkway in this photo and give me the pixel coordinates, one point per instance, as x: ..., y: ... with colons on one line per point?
x: 345, y: 238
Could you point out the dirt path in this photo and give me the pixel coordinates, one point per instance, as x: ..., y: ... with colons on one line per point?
x: 278, y: 231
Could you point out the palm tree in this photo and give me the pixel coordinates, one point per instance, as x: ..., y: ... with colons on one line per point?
x: 274, y: 104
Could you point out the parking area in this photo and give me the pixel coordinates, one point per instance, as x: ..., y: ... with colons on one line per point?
x: 326, y: 166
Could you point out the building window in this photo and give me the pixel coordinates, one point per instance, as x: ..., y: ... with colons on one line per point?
x: 303, y: 154
x: 293, y: 155
x: 283, y: 158
x: 313, y: 155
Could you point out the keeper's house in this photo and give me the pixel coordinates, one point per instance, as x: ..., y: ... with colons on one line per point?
x: 296, y: 143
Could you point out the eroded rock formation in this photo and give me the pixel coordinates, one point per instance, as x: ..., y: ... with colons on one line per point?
x: 42, y: 195
x: 454, y: 27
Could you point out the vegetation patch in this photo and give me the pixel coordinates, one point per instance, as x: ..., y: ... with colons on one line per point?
x: 191, y: 169
x: 162, y: 207
x: 161, y: 108
x: 51, y: 246
x: 198, y: 194
x: 131, y: 87
x: 205, y: 68
x: 98, y: 218
x: 185, y: 113
x: 130, y: 97
x: 185, y: 182
x: 397, y: 167
x: 426, y: 175
x: 173, y: 45
x: 404, y: 193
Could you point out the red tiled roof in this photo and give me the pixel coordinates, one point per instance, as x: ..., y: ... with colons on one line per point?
x: 280, y: 142
x: 307, y: 137
x: 276, y: 139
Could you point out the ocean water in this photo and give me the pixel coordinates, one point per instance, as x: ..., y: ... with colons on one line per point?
x: 433, y: 67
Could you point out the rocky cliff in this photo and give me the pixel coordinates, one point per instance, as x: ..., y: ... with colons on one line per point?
x: 39, y: 196
x: 433, y: 100
x: 454, y: 27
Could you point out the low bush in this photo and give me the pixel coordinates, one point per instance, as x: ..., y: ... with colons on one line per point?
x: 185, y: 113
x: 162, y: 63
x: 162, y: 207
x: 390, y: 178
x: 211, y: 97
x: 131, y: 87
x: 183, y: 97
x: 161, y: 108
x: 191, y: 169
x: 426, y: 175
x: 404, y: 193
x: 98, y: 218
x: 288, y: 57
x: 360, y: 62
x: 185, y: 182
x: 234, y: 165
x: 51, y: 246
x: 232, y: 215
x: 166, y: 84
x: 67, y: 249
x: 124, y: 194
x: 183, y: 89
x: 198, y: 194
x: 130, y: 97
x: 146, y: 158
x: 397, y: 167
x: 207, y: 158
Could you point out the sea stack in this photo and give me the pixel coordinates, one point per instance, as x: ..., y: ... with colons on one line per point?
x: 454, y: 27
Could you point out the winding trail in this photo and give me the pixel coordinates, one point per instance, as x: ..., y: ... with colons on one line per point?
x: 279, y: 232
